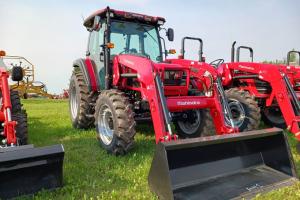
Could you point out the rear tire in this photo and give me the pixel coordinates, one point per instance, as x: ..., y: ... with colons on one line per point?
x: 203, y: 125
x: 81, y: 102
x: 114, y: 121
x: 244, y: 109
x: 273, y: 117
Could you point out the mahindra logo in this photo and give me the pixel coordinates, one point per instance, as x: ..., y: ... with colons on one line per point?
x: 186, y: 103
x: 245, y: 67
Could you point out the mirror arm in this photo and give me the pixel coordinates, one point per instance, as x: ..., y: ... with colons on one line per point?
x: 164, y: 44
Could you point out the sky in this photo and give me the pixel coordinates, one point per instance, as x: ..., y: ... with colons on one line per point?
x: 50, y: 32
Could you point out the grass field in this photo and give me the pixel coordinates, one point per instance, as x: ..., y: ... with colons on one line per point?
x: 89, y: 172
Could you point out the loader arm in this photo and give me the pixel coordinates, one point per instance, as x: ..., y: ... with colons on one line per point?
x: 149, y: 78
x: 5, y: 115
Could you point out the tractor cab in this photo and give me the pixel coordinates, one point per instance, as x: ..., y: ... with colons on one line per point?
x: 114, y: 32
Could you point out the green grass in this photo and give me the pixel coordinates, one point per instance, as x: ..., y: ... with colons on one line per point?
x: 91, y: 173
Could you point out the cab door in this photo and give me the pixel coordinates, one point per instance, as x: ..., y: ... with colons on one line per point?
x: 96, y: 54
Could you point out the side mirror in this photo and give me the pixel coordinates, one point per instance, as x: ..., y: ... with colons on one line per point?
x: 170, y: 34
x: 17, y: 73
x: 97, y: 23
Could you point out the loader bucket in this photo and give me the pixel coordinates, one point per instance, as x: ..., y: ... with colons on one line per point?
x: 26, y: 170
x: 222, y: 167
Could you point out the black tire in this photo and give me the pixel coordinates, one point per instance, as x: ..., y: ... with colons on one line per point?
x: 81, y: 102
x: 19, y: 115
x: 242, y: 103
x: 15, y: 101
x: 117, y: 119
x: 203, y: 125
x: 17, y: 73
x: 21, y: 127
x: 272, y: 116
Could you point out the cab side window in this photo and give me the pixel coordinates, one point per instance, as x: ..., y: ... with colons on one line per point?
x: 92, y: 43
x: 95, y: 41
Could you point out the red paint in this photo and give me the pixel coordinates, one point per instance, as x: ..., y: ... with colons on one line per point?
x: 122, y: 14
x: 9, y: 126
x: 92, y: 74
x: 272, y: 74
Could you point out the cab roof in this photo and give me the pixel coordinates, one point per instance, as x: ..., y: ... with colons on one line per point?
x: 123, y: 15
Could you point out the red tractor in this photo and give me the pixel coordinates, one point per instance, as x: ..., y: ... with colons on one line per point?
x: 23, y: 168
x: 245, y: 112
x: 126, y: 78
x: 273, y: 86
x: 12, y: 116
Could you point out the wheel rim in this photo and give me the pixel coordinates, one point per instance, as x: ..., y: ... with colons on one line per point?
x: 237, y: 112
x: 73, y: 102
x: 105, y: 125
x: 188, y: 127
x: 274, y: 115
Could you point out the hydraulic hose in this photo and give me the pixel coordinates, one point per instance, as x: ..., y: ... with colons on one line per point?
x: 226, y: 108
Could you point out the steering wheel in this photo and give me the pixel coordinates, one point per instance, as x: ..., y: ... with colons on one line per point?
x: 216, y: 63
x: 134, y: 52
x: 124, y: 51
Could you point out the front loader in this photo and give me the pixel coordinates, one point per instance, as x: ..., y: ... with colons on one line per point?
x: 23, y: 169
x: 125, y: 79
x: 274, y: 87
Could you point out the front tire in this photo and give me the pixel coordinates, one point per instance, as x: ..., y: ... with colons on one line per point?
x: 21, y: 127
x: 273, y: 117
x: 81, y: 102
x: 114, y: 121
x: 200, y: 125
x: 15, y: 101
x: 244, y: 109
x: 20, y: 116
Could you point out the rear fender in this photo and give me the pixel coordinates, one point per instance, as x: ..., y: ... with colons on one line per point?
x: 116, y: 71
x: 86, y: 67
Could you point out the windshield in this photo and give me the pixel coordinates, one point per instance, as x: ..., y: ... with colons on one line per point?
x: 135, y: 38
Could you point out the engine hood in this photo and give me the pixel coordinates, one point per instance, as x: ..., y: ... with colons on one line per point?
x: 140, y: 62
